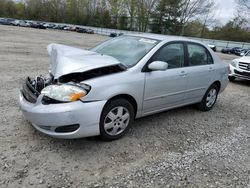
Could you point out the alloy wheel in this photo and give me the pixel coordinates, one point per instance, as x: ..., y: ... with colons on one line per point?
x: 211, y: 97
x: 116, y: 121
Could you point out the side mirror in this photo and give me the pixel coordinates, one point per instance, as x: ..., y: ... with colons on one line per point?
x: 158, y: 66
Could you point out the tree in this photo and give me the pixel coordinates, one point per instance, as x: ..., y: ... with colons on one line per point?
x: 145, y: 9
x: 173, y: 15
x: 116, y: 10
x: 8, y: 9
x: 73, y: 11
x: 35, y: 9
x: 90, y: 9
x: 165, y: 18
x: 244, y: 3
x: 192, y: 8
x: 234, y: 30
x: 56, y: 10
x: 130, y: 6
x: 20, y: 10
x: 243, y: 10
x: 196, y: 28
x: 123, y: 22
x: 106, y: 19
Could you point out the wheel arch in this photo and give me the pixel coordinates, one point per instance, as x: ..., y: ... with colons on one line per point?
x: 127, y: 97
x: 217, y: 83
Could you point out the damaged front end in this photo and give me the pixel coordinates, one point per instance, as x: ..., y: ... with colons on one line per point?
x: 82, y: 76
x: 54, y: 103
x: 66, y: 88
x: 53, y: 92
x: 46, y: 104
x: 69, y: 68
x: 32, y: 87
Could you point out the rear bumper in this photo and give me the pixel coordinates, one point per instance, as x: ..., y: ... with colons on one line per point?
x: 46, y: 118
x: 238, y: 73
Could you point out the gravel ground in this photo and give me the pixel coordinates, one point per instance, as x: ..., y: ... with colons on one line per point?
x: 178, y: 148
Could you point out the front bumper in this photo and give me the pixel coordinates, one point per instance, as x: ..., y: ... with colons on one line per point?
x: 46, y: 118
x: 239, y: 73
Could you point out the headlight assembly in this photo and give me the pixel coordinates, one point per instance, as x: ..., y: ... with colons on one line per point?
x: 234, y: 63
x: 64, y: 93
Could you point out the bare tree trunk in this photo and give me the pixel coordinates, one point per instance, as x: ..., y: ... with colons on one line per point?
x: 194, y: 8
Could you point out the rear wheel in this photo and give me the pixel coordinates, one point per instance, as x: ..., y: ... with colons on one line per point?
x: 116, y: 119
x: 231, y: 78
x: 209, y: 98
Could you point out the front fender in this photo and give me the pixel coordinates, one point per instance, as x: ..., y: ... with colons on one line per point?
x: 107, y: 87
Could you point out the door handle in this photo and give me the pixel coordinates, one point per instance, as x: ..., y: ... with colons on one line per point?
x: 183, y: 74
x: 211, y: 69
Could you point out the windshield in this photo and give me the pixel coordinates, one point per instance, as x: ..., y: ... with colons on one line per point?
x: 127, y: 49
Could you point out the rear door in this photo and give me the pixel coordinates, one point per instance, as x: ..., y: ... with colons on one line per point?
x: 201, y: 70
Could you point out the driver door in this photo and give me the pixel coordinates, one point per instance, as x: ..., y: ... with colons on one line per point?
x: 166, y: 89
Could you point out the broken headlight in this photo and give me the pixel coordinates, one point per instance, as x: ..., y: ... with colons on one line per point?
x: 64, y: 93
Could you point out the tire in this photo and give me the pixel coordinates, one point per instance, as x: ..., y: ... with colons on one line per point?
x: 212, y: 93
x: 116, y: 119
x: 231, y: 78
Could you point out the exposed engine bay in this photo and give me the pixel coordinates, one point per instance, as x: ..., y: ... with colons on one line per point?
x: 32, y: 87
x: 79, y: 77
x: 40, y: 82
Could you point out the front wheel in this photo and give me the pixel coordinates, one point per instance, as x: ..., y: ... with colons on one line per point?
x: 116, y: 119
x: 209, y: 98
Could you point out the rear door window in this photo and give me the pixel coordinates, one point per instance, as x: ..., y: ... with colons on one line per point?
x: 198, y: 55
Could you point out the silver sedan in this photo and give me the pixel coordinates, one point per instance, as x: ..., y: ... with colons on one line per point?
x: 102, y: 90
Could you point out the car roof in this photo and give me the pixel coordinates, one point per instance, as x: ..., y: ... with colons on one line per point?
x: 164, y: 37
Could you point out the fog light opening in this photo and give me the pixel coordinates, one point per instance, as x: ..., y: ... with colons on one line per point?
x: 67, y: 128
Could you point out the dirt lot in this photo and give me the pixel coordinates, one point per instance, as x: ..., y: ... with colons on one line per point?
x: 178, y: 148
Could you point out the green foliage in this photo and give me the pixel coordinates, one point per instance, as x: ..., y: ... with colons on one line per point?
x: 234, y: 30
x: 173, y: 17
x: 165, y: 18
x: 123, y: 22
x: 194, y: 29
x: 9, y: 9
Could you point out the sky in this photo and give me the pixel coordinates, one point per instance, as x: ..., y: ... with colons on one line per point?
x: 225, y: 10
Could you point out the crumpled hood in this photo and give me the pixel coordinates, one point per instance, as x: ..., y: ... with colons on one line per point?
x: 66, y: 59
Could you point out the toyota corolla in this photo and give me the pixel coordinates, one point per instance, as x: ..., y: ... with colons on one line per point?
x: 102, y: 90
